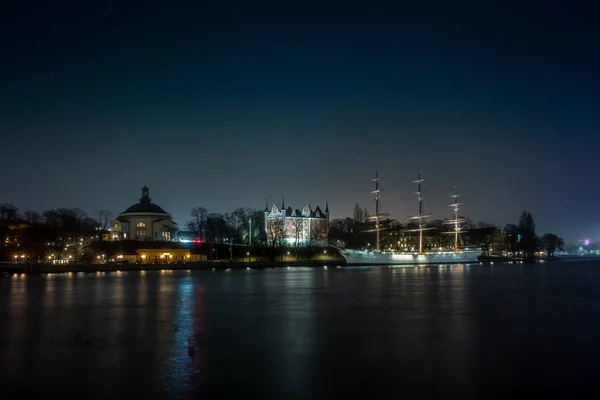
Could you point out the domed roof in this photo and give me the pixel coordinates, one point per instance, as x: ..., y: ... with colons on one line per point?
x: 142, y: 207
x: 145, y: 205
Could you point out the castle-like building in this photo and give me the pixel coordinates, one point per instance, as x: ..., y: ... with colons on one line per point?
x: 305, y: 225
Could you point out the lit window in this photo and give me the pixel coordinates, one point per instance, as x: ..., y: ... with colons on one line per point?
x: 140, y: 230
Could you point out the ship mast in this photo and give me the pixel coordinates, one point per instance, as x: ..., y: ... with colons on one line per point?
x: 455, y: 209
x: 378, y: 214
x: 457, y: 222
x: 377, y: 197
x: 420, y: 215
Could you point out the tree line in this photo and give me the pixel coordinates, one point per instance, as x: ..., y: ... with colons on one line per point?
x: 246, y: 226
x: 35, y: 234
x: 241, y: 226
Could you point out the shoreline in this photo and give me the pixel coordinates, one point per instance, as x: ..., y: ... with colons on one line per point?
x: 37, y: 269
x: 203, y: 266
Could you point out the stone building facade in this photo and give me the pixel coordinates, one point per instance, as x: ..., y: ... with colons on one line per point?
x: 305, y: 226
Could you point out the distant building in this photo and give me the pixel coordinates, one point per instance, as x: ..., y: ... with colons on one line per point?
x: 301, y: 224
x: 144, y: 221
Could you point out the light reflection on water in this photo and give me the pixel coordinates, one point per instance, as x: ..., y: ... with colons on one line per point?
x: 306, y: 332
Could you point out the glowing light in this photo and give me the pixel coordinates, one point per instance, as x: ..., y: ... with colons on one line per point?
x: 586, y: 242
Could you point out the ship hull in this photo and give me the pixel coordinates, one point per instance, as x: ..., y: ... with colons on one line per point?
x: 408, y: 258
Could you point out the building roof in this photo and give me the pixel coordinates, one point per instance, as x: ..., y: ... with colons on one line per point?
x: 145, y: 205
x: 142, y: 207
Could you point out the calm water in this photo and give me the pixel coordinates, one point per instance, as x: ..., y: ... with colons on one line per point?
x: 477, y: 331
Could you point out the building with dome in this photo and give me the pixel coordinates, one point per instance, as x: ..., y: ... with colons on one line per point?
x: 144, y: 221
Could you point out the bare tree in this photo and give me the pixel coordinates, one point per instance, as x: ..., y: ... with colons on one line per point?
x: 198, y: 222
x: 511, y: 238
x: 8, y: 212
x: 62, y: 225
x: 34, y: 218
x: 314, y: 239
x: 484, y: 237
x: 103, y: 217
x: 527, y: 232
x: 358, y: 213
x: 259, y: 234
x: 297, y: 230
x: 275, y: 235
x: 238, y: 222
x: 551, y: 243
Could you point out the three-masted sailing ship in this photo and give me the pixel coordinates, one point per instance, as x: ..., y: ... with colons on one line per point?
x: 377, y: 256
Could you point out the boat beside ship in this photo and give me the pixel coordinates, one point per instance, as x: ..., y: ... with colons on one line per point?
x: 385, y: 257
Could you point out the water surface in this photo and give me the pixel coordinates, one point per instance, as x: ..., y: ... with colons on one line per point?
x: 477, y: 331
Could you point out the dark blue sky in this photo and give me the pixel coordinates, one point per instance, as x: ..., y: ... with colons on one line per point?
x: 221, y: 105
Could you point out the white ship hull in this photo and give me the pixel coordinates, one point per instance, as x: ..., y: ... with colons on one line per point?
x: 408, y: 258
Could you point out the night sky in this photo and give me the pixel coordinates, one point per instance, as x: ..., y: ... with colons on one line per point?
x: 222, y: 105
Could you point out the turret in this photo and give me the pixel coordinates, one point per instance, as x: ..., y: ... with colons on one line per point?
x: 266, y: 214
x: 145, y: 195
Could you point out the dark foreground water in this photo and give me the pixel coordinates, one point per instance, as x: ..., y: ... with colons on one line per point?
x: 479, y: 331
